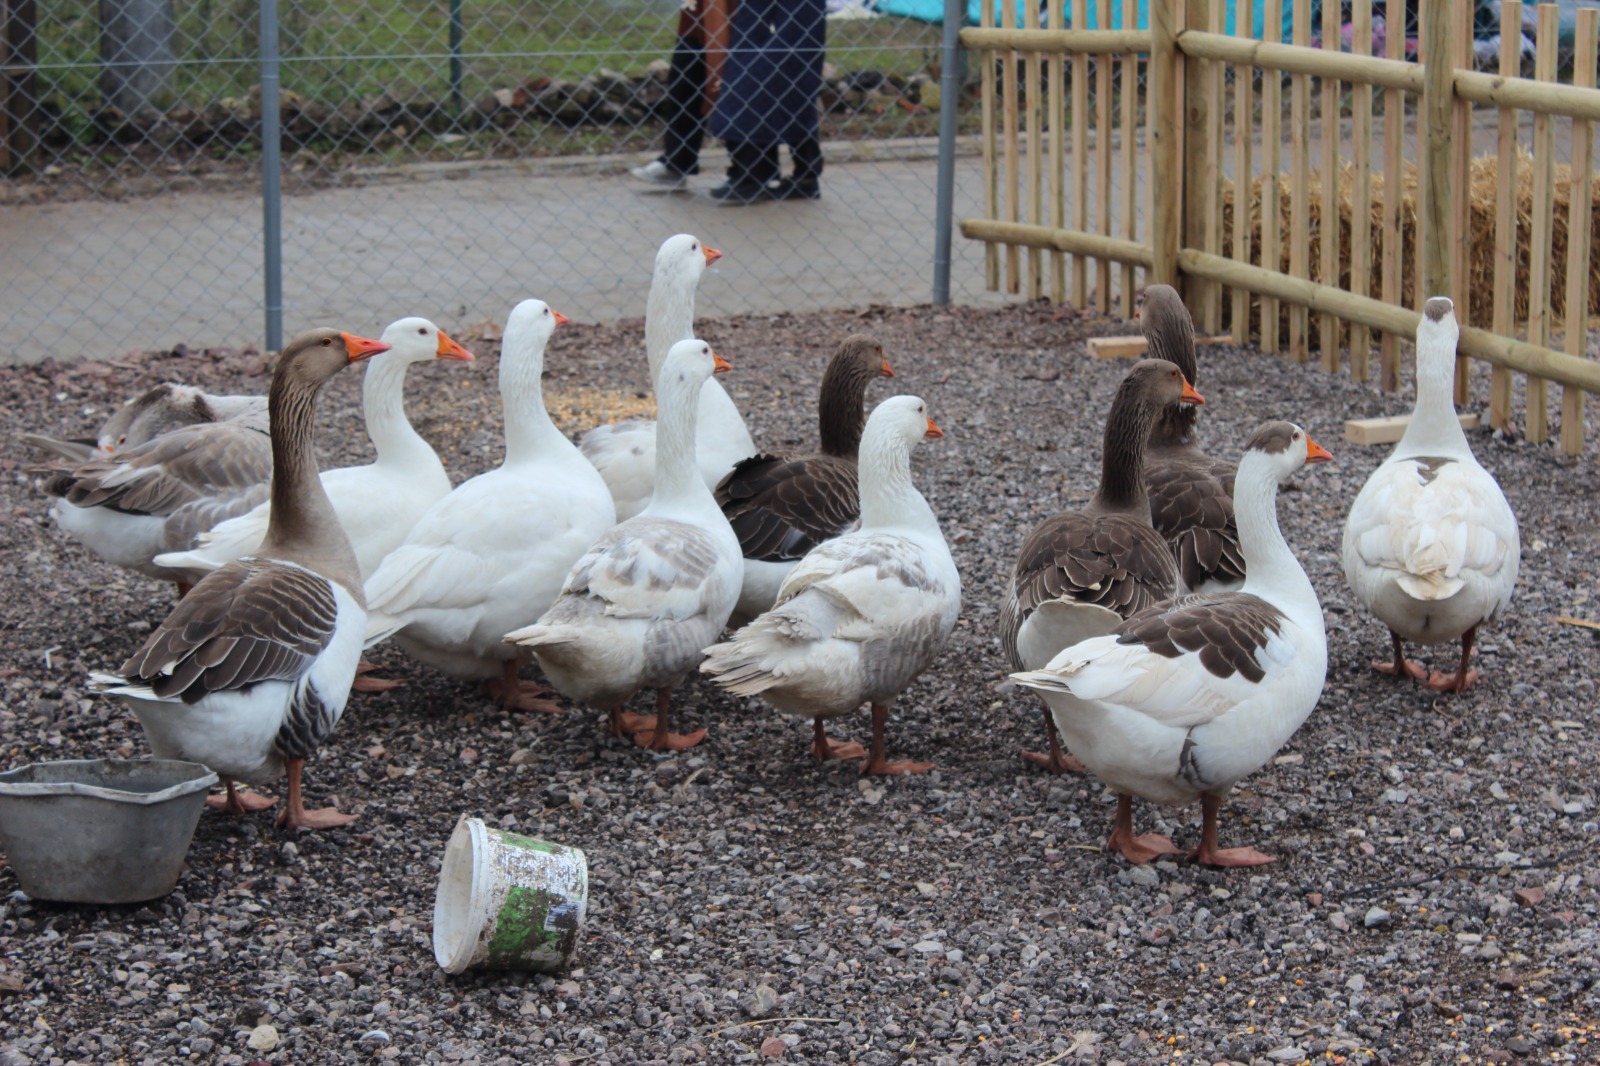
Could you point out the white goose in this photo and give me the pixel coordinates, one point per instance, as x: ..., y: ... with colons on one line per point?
x: 639, y: 606
x: 492, y: 553
x: 1431, y: 545
x: 862, y: 614
x: 159, y: 409
x: 625, y: 452
x: 377, y: 503
x: 252, y: 669
x: 1188, y: 696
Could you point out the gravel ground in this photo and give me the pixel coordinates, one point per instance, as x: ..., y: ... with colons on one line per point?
x: 1434, y: 900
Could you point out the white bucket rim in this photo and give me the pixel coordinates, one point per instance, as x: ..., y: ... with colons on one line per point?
x: 456, y: 939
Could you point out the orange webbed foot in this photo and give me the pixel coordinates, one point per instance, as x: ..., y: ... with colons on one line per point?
x: 239, y: 803
x: 1229, y: 857
x: 1414, y: 670
x: 652, y: 738
x: 1055, y: 764
x: 1453, y: 682
x: 887, y: 767
x: 1141, y: 850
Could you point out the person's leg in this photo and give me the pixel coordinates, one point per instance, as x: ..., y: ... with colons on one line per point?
x: 805, y: 182
x: 751, y: 167
x: 686, y: 123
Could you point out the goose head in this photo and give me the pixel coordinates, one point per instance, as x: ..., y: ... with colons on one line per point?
x: 531, y: 322
x: 861, y: 358
x: 1437, y: 334
x: 1285, y: 448
x: 153, y: 412
x: 1158, y: 383
x: 1168, y: 328
x: 416, y: 340
x: 685, y: 257
x: 689, y: 364
x: 316, y: 355
x: 903, y: 418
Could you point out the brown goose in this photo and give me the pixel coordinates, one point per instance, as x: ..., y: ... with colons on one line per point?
x: 1191, y: 494
x: 1080, y: 573
x: 159, y: 409
x: 250, y: 672
x: 782, y: 506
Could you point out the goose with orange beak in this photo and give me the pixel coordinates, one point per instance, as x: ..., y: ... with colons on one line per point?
x: 1186, y: 697
x: 862, y: 614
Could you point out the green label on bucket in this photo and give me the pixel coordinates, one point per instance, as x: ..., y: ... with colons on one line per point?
x: 535, y: 930
x: 517, y: 840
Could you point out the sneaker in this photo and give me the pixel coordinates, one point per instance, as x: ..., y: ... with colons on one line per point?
x: 732, y: 194
x: 660, y: 179
x: 790, y: 189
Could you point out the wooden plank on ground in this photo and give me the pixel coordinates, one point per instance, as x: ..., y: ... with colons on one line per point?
x: 1391, y: 428
x: 1133, y: 347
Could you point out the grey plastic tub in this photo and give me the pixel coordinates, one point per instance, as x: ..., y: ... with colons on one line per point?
x: 101, y: 830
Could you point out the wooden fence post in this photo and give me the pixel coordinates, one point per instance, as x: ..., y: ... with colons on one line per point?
x: 1579, y: 206
x: 1438, y: 94
x: 1166, y: 176
x: 1198, y: 181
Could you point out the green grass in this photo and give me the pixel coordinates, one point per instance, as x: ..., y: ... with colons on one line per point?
x: 343, y: 51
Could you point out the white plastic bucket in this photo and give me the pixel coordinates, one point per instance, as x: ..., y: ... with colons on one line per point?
x: 507, y: 901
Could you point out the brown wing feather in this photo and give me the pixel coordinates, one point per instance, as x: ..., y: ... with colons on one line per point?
x: 251, y: 621
x: 780, y: 508
x: 1226, y: 629
x: 1191, y: 506
x: 171, y: 471
x: 1113, y: 561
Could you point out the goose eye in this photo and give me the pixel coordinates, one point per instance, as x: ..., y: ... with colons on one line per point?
x: 422, y: 331
x: 326, y: 342
x: 122, y: 439
x: 1295, y: 437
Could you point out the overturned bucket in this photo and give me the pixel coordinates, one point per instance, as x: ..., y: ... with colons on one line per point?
x: 507, y: 902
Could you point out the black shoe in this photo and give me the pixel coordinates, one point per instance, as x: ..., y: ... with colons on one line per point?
x: 790, y: 189
x: 741, y: 192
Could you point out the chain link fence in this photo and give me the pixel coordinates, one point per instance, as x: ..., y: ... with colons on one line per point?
x: 445, y: 158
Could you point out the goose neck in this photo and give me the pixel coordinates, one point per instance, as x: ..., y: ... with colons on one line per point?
x: 1122, y: 454
x: 668, y: 317
x: 677, y: 416
x: 529, y: 431
x: 302, y: 524
x: 840, y: 416
x: 1269, y: 563
x: 383, y: 406
x: 1434, y: 425
x: 888, y: 496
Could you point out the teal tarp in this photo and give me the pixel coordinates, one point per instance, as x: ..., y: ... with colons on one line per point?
x: 933, y: 11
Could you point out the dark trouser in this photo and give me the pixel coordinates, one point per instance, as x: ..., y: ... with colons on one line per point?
x: 758, y: 163
x: 686, y: 125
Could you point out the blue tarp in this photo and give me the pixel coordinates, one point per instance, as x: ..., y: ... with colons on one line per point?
x: 933, y: 11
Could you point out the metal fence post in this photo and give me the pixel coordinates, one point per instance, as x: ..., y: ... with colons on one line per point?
x: 944, y: 183
x: 271, y: 177
x: 457, y: 35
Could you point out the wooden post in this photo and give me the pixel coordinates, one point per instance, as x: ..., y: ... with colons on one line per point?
x: 1271, y: 176
x: 1461, y: 202
x: 1361, y: 202
x: 1216, y: 108
x: 1504, y: 321
x: 1197, y: 182
x: 1165, y: 172
x: 1130, y: 174
x: 1300, y: 182
x: 1438, y: 98
x: 1105, y: 155
x: 1033, y: 66
x: 1058, y: 153
x: 1009, y: 107
x: 1579, y: 209
x: 1080, y: 155
x: 987, y: 63
x: 1539, y: 266
x: 1327, y: 324
x: 1243, y: 134
x: 1394, y: 129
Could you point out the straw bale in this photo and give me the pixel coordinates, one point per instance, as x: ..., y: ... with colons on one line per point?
x: 1485, y: 181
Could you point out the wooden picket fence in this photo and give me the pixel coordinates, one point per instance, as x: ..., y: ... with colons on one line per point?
x: 1275, y: 253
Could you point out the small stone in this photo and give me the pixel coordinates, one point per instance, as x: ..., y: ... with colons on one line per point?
x: 521, y: 757
x: 1356, y: 983
x: 773, y: 1048
x: 1507, y: 979
x: 927, y: 890
x: 1519, y: 1046
x: 1142, y: 875
x: 927, y: 946
x: 1287, y: 1054
x: 1395, y: 795
x: 1375, y: 917
x: 1529, y: 897
x: 375, y: 1036
x: 761, y: 1001
x: 263, y: 1038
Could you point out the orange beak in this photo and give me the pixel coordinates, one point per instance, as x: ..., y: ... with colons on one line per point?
x: 1316, y: 453
x: 719, y: 365
x: 561, y: 319
x: 934, y: 432
x: 449, y: 349
x: 1190, y: 396
x: 884, y: 371
x: 712, y: 255
x: 360, y: 348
